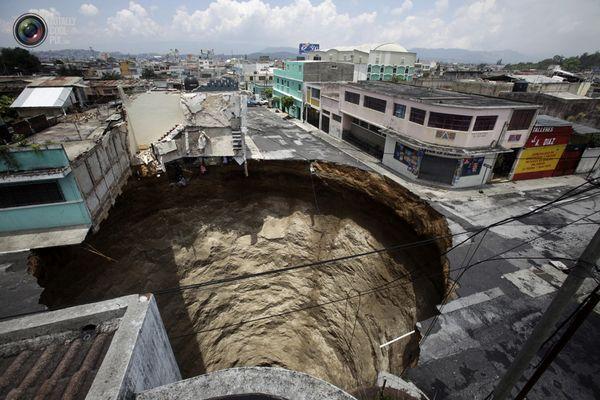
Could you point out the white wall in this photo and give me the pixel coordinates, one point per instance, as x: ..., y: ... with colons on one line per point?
x: 466, y: 139
x: 588, y: 159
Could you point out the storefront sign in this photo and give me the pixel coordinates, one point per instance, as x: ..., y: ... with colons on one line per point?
x: 538, y: 162
x: 408, y: 156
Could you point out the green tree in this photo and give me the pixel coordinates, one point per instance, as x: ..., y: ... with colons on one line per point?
x: 148, y: 73
x: 287, y: 102
x: 111, y: 76
x: 268, y: 92
x: 16, y: 60
x: 571, y: 64
x: 7, y: 114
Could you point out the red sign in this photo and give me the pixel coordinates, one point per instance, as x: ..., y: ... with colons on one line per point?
x: 549, y: 136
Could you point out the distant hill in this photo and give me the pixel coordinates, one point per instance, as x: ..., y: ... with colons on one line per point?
x: 275, y: 53
x: 470, y: 56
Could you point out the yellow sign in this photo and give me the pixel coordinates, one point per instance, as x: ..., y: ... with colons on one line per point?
x: 536, y: 159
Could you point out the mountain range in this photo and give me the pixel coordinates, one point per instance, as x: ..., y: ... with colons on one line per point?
x: 424, y: 54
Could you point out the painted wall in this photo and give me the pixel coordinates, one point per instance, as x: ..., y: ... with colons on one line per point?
x: 28, y: 159
x: 72, y: 212
x: 466, y: 139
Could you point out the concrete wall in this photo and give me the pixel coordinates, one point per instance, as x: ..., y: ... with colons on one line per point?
x: 328, y: 72
x: 586, y: 111
x: 140, y: 355
x: 276, y: 382
x: 333, y: 106
x: 493, y: 88
x: 590, y: 161
x: 102, y: 172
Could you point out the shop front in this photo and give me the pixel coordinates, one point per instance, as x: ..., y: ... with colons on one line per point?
x: 543, y: 151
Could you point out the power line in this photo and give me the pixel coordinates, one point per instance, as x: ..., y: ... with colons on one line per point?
x: 335, y: 260
x: 499, y: 254
x: 386, y: 285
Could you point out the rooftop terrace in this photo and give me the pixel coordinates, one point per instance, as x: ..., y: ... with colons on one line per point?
x: 437, y: 96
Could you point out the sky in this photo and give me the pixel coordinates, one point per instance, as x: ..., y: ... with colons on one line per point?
x: 536, y: 28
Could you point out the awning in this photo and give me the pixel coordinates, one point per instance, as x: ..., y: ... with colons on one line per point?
x: 42, y: 97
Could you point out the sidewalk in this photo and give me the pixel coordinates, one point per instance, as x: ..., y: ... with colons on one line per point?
x: 439, y: 194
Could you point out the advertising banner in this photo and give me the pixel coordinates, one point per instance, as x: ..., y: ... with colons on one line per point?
x: 305, y: 48
x: 538, y: 162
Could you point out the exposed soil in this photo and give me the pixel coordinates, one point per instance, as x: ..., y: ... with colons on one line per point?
x: 222, y: 224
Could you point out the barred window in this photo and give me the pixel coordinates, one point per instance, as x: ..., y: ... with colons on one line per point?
x: 374, y: 103
x: 521, y: 119
x: 449, y: 121
x: 485, y: 122
x: 352, y: 97
x: 417, y: 115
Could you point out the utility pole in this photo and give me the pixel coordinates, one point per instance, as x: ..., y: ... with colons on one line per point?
x: 582, y: 269
x: 578, y: 319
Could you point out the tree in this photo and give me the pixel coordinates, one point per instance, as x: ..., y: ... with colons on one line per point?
x: 286, y: 102
x: 16, y: 60
x: 148, y: 73
x: 7, y: 114
x: 111, y: 76
x: 268, y: 92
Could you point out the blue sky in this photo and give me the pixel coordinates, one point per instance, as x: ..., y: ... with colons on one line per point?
x: 533, y: 27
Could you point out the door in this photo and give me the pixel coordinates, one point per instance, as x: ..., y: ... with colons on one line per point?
x: 438, y: 169
x: 325, y: 124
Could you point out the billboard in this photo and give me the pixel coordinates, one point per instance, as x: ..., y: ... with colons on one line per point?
x: 538, y: 162
x: 304, y: 48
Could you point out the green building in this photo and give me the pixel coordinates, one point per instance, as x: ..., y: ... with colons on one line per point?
x: 290, y: 81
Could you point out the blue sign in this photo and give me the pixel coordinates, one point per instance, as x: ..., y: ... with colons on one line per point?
x: 307, y: 47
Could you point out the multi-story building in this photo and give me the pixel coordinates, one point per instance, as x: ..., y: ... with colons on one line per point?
x: 290, y: 81
x: 438, y: 136
x: 255, y: 77
x: 61, y: 182
x: 384, y: 62
x: 391, y: 62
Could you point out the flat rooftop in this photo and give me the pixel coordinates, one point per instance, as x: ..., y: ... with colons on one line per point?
x: 437, y: 96
x: 548, y: 120
x: 76, y: 137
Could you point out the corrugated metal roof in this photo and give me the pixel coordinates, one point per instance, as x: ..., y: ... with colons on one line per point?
x: 42, y: 97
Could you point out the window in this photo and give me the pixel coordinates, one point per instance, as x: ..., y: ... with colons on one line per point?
x: 521, y: 119
x: 369, y: 68
x: 333, y: 67
x: 485, y: 122
x: 287, y: 83
x: 352, y: 97
x: 399, y: 110
x: 325, y: 112
x: 29, y: 194
x: 449, y: 121
x: 374, y: 103
x: 514, y: 138
x: 299, y: 86
x: 315, y: 93
x: 417, y: 115
x: 336, y: 118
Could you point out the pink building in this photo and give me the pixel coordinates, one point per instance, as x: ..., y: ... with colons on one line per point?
x: 448, y: 138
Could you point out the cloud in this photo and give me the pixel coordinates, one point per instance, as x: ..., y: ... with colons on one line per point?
x: 48, y: 14
x: 407, y: 5
x: 133, y: 21
x: 88, y: 9
x: 260, y: 23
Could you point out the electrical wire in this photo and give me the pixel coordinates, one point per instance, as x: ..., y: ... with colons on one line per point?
x: 347, y: 257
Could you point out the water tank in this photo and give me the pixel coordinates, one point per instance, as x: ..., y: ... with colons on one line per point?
x: 190, y: 83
